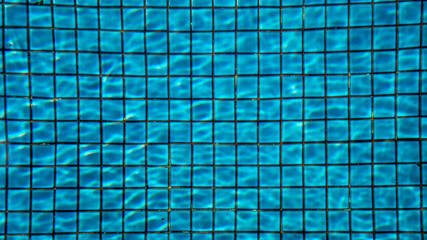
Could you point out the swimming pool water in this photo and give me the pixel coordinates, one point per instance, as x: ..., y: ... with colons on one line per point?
x: 213, y: 119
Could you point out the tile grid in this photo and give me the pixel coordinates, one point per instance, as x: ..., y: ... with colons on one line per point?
x: 258, y: 143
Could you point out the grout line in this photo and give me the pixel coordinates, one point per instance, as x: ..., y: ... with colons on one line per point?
x: 6, y: 132
x: 78, y: 118
x: 395, y: 115
x: 146, y: 123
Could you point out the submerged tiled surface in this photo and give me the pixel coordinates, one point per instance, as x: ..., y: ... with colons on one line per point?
x: 215, y: 119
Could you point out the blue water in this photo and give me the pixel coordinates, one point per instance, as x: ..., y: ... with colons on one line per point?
x: 213, y: 119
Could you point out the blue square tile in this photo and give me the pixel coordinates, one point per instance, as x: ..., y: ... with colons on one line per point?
x: 291, y: 41
x: 384, y: 61
x: 409, y: 220
x: 180, y: 132
x: 247, y: 19
x: 87, y: 40
x: 314, y: 41
x: 16, y: 62
x: 224, y: 19
x: 133, y: 19
x: 337, y: 130
x: 408, y: 128
x: 202, y: 198
x: 361, y: 198
x: 203, y: 154
x: 111, y: 222
x: 180, y: 221
x: 269, y: 132
x: 338, y: 176
x: 314, y: 153
x: 133, y: 42
x: 409, y: 59
x: 180, y: 198
x: 314, y: 86
x: 405, y: 41
x: 384, y: 38
x: 338, y: 198
x: 225, y: 198
x: 314, y: 63
x: 338, y: 220
x: 337, y: 16
x: 247, y: 64
x: 360, y: 38
x: 292, y: 176
x: 293, y: 221
x: 409, y: 197
x: 385, y: 14
x: 409, y: 12
x: 314, y: 108
x: 408, y: 151
x: 269, y: 64
x: 224, y: 133
x: 315, y: 198
x: 269, y: 18
x: 247, y: 154
x: 292, y: 18
x: 18, y: 223
x: 336, y: 40
x: 269, y: 176
x: 314, y: 131
x: 202, y: 221
x: 89, y: 199
x: 64, y: 17
x: 15, y: 15
x: 292, y: 131
x: 292, y: 198
x: 87, y: 18
x: 225, y: 176
x: 337, y: 108
x: 292, y: 64
x: 314, y: 176
x: 251, y: 176
x: 202, y: 20
x: 315, y: 17
x: 203, y: 176
x: 407, y: 82
x: 361, y: 15
x: 315, y: 221
x: 65, y: 40
x: 247, y: 221
x: 361, y: 220
x: 384, y: 175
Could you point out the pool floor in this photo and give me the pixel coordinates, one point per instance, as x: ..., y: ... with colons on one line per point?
x: 213, y: 119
